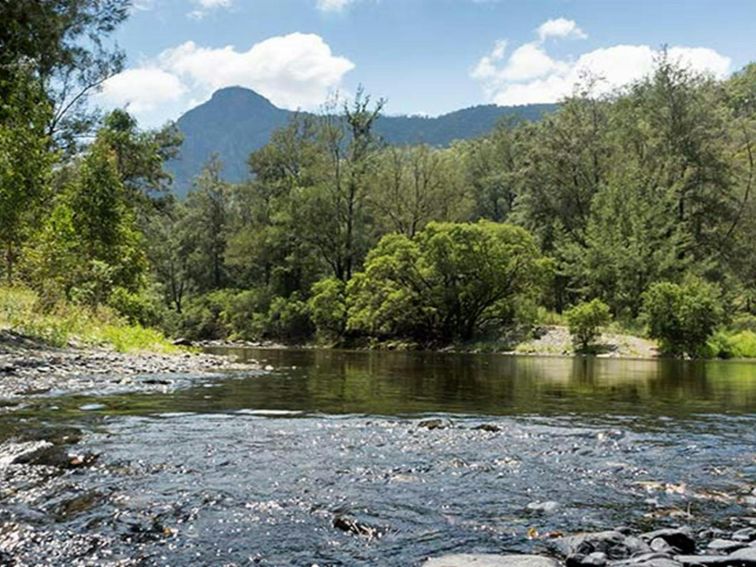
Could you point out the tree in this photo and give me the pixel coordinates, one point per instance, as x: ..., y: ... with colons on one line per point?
x: 412, y: 186
x: 204, y: 227
x: 90, y: 243
x: 585, y: 321
x: 25, y: 163
x: 328, y: 309
x: 452, y: 282
x: 682, y: 316
x: 63, y: 42
x: 334, y: 217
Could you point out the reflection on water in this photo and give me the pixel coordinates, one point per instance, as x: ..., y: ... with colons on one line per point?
x: 406, y: 383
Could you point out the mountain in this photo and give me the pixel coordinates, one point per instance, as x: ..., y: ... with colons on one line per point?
x: 236, y: 121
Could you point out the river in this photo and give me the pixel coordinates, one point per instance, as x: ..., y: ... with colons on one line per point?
x: 366, y: 458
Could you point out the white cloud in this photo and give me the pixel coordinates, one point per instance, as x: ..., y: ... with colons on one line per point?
x: 529, y: 61
x: 142, y: 90
x: 293, y: 71
x: 560, y: 27
x: 531, y: 75
x: 332, y: 5
x: 204, y: 7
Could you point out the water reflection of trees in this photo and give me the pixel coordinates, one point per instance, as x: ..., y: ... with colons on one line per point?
x: 396, y: 383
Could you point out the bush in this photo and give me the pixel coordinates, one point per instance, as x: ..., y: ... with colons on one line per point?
x: 682, y: 317
x: 289, y: 320
x: 585, y: 321
x: 328, y: 308
x: 138, y: 308
x: 726, y: 344
x: 202, y: 316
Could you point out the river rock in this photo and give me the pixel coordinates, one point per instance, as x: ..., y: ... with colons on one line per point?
x: 596, y: 559
x: 745, y: 535
x: 679, y: 538
x: 613, y: 543
x: 649, y: 560
x: 355, y: 527
x: 547, y: 507
x: 490, y: 560
x: 435, y: 424
x: 490, y: 427
x: 745, y: 557
x: 725, y: 545
x: 703, y: 560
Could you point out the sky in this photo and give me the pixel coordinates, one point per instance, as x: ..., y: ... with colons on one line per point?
x: 424, y: 56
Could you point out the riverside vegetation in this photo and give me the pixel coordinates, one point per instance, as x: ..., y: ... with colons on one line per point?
x: 635, y: 208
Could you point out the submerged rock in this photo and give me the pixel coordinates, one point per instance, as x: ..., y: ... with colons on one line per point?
x: 544, y: 507
x: 490, y: 427
x: 435, y: 424
x: 490, y: 560
x: 355, y: 527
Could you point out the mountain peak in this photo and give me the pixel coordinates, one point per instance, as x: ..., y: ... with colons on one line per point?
x: 240, y: 95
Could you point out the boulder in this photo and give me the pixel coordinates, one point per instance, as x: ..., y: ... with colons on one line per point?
x: 490, y: 560
x: 679, y: 538
x: 745, y: 557
x: 612, y: 543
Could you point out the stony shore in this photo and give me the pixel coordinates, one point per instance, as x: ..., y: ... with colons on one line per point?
x: 29, y: 368
x: 621, y: 547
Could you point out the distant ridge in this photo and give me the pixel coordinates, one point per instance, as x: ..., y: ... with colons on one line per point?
x: 236, y: 121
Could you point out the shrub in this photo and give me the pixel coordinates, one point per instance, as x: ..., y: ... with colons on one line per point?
x: 138, y: 308
x: 328, y: 308
x: 726, y: 344
x: 289, y: 319
x: 585, y: 321
x: 682, y: 317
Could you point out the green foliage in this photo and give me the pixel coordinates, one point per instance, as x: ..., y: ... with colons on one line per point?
x: 452, y: 282
x: 731, y: 344
x: 586, y: 320
x: 138, y: 308
x: 328, y: 308
x: 288, y: 319
x: 22, y: 311
x: 25, y: 162
x: 682, y: 316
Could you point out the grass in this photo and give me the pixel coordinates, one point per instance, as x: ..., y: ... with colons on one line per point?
x: 64, y: 324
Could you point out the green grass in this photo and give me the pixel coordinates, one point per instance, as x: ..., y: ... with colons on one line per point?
x: 64, y: 324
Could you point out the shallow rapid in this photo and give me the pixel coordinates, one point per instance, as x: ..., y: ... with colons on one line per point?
x: 337, y: 458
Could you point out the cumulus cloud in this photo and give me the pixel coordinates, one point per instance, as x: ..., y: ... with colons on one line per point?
x: 204, y: 7
x: 293, y: 71
x: 142, y: 89
x: 332, y: 5
x: 529, y: 74
x: 560, y: 27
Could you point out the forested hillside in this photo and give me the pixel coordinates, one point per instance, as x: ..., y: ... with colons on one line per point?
x: 237, y: 121
x: 636, y: 207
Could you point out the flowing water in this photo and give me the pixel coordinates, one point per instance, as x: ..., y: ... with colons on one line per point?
x: 343, y: 458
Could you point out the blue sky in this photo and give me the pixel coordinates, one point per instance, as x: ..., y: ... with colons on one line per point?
x: 424, y: 56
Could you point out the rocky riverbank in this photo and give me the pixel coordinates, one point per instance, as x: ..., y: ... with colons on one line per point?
x: 668, y: 547
x: 30, y: 368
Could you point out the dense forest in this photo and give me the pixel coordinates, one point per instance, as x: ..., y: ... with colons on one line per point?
x: 636, y: 207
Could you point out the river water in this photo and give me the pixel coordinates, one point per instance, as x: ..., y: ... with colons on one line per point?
x: 344, y: 458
